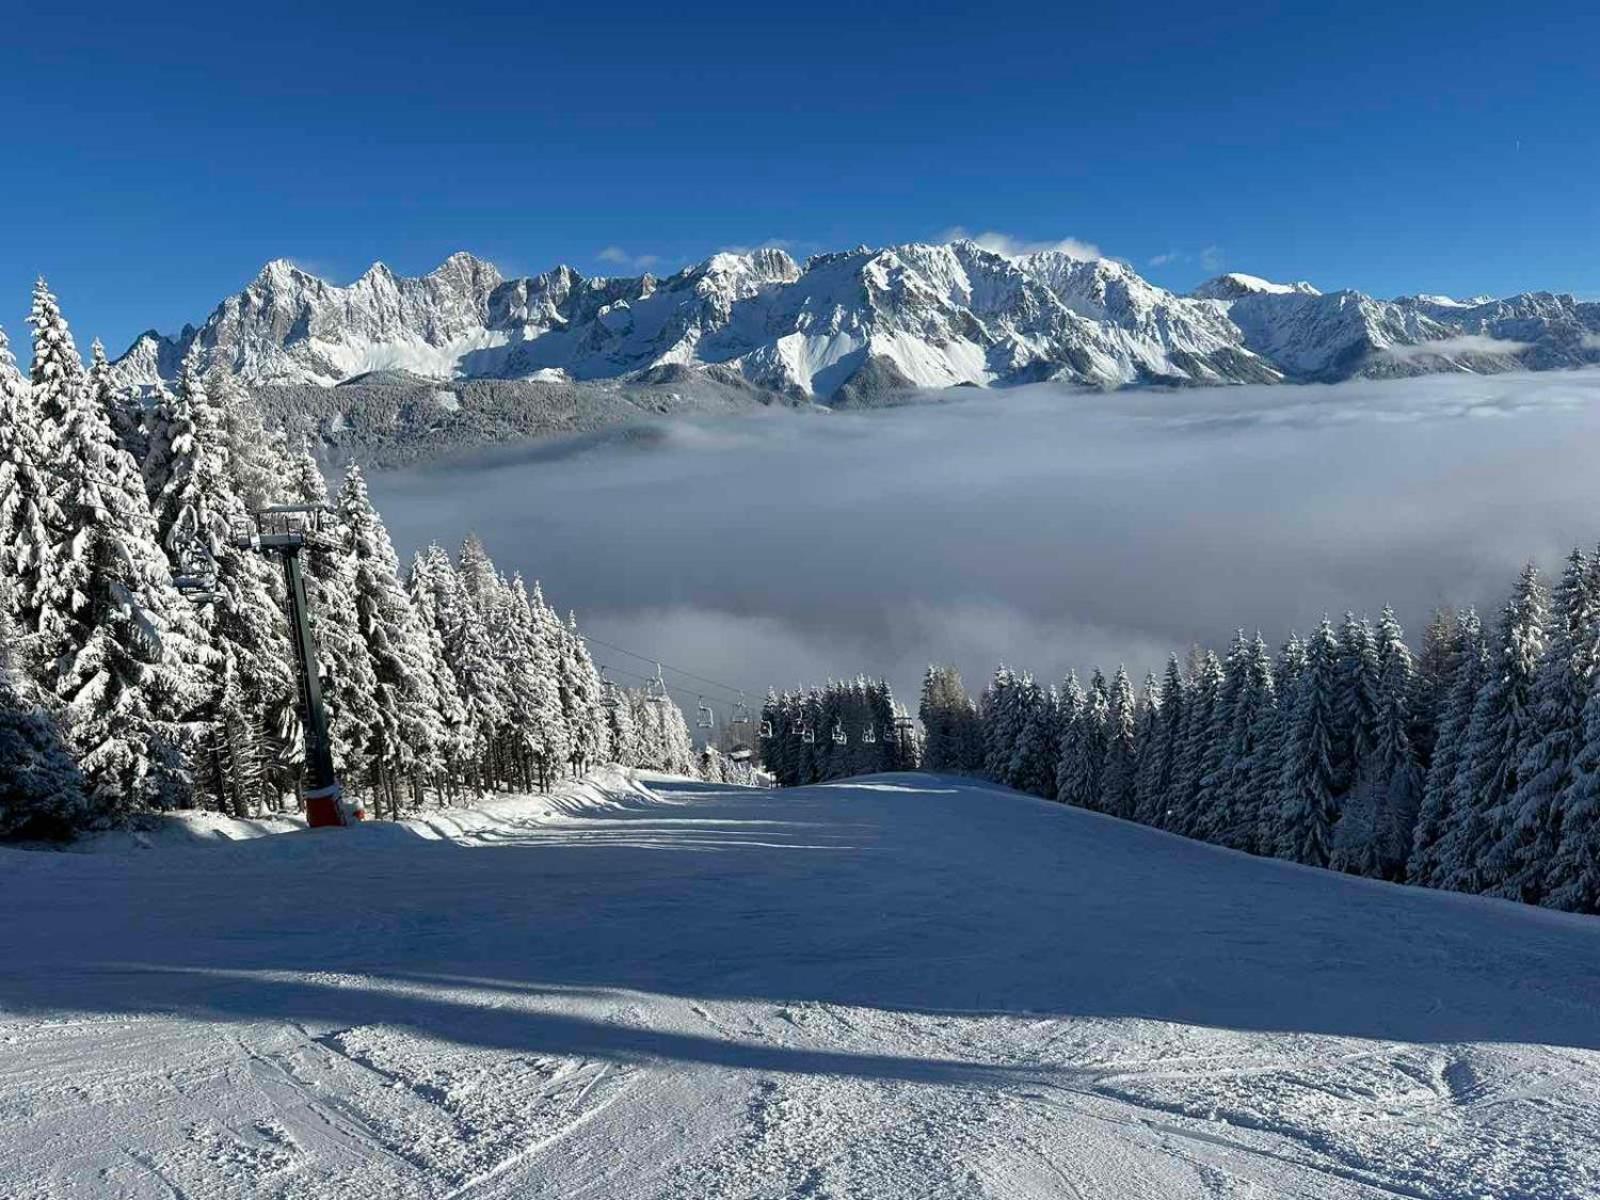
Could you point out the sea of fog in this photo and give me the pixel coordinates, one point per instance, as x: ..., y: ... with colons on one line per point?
x: 1041, y: 527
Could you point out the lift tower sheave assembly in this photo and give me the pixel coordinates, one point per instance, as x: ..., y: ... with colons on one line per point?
x: 285, y: 530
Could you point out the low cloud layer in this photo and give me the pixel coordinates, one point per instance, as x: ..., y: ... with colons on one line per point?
x: 1466, y: 343
x: 1043, y: 527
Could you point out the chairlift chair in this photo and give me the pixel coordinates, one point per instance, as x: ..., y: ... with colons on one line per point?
x: 706, y: 719
x: 806, y: 734
x: 741, y: 713
x: 766, y: 729
x: 840, y: 737
x: 608, y: 691
x: 655, y: 690
x: 869, y: 735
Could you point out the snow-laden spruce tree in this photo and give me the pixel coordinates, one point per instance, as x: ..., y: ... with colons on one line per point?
x: 580, y: 692
x: 1118, y: 775
x: 1572, y: 876
x: 197, y: 510
x: 943, y: 710
x: 124, y: 411
x: 1251, y: 709
x: 626, y: 743
x: 41, y: 790
x: 539, y: 718
x: 349, y: 685
x: 1166, y: 747
x: 1374, y: 834
x: 406, y: 734
x: 459, y: 747
x: 1445, y: 786
x: 1002, y: 722
x: 1069, y: 738
x: 473, y: 658
x: 121, y: 655
x: 1200, y: 725
x: 1083, y: 749
x: 1213, y: 803
x: 1527, y: 826
x: 29, y: 516
x: 1500, y: 721
x: 1356, y: 715
x: 1311, y: 785
x: 1278, y: 744
x: 1034, y: 756
x: 1150, y: 739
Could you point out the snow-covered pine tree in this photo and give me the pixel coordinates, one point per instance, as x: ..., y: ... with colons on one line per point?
x: 29, y: 516
x: 1118, y: 776
x: 196, y: 512
x: 1572, y: 877
x: 1310, y: 785
x: 1001, y: 724
x: 1213, y: 805
x: 1445, y: 784
x: 1251, y: 714
x: 1356, y: 715
x: 407, y: 733
x: 1527, y: 829
x: 1500, y: 720
x: 41, y: 790
x: 1383, y: 803
x: 1148, y: 737
x: 535, y: 682
x: 122, y: 406
x: 580, y: 687
x: 1167, y: 747
x: 473, y: 660
x: 1033, y: 759
x: 1069, y: 740
x: 946, y: 713
x: 1200, y: 726
x: 1278, y: 745
x: 459, y: 748
x: 1084, y: 774
x: 122, y: 655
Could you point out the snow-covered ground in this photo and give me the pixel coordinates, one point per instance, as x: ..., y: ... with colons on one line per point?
x: 896, y: 987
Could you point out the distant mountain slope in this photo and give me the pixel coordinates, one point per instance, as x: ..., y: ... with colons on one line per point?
x: 856, y: 323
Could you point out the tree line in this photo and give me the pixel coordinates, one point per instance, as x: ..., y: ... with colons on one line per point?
x: 1473, y: 765
x: 844, y: 728
x: 120, y: 693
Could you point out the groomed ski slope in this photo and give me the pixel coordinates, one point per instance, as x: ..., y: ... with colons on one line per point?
x: 906, y: 986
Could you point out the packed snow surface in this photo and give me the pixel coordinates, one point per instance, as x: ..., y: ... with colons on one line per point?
x: 903, y: 986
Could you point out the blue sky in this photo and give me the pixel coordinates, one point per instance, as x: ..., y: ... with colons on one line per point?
x: 159, y: 154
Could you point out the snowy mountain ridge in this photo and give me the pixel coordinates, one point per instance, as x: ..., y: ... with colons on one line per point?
x: 848, y: 325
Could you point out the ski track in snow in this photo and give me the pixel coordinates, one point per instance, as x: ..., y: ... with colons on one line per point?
x: 901, y: 987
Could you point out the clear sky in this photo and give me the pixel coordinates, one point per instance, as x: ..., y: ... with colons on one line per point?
x: 157, y: 155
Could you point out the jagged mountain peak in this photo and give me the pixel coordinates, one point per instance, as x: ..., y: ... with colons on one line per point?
x: 925, y: 314
x: 1234, y: 284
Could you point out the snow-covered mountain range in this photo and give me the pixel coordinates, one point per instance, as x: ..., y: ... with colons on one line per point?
x: 845, y: 327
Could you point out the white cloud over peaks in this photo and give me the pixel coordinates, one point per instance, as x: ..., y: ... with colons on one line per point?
x: 1161, y: 260
x: 1015, y: 247
x: 1212, y: 258
x: 617, y: 256
x: 787, y: 245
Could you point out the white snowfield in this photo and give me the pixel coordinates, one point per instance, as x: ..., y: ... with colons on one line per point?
x: 904, y: 986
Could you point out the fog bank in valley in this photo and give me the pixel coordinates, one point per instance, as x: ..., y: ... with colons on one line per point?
x: 1041, y: 527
